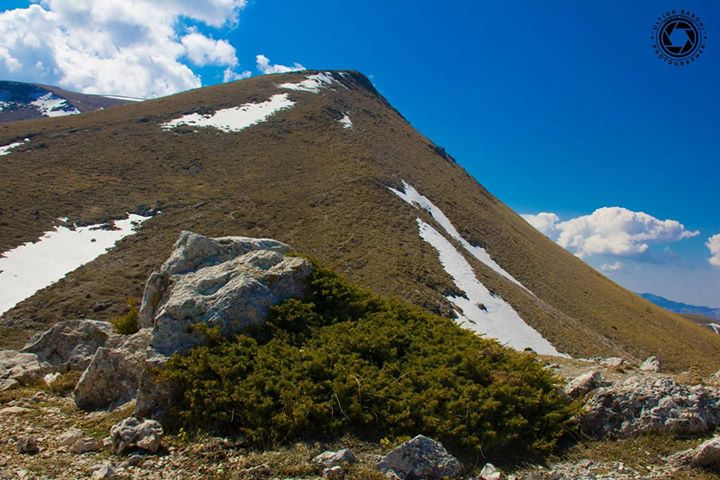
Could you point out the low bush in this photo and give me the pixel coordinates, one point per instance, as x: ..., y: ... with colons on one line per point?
x: 345, y: 360
x: 127, y: 323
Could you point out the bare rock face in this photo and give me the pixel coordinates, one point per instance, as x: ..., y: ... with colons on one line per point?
x: 228, y: 282
x: 132, y: 433
x: 421, y: 458
x: 71, y: 344
x: 646, y: 405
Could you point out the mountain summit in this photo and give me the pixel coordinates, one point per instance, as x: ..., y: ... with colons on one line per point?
x: 321, y: 161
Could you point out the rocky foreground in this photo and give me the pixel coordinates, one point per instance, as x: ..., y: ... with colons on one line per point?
x: 78, y: 401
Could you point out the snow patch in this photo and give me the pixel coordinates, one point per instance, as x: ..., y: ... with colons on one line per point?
x: 120, y: 97
x: 412, y: 197
x: 235, y: 119
x: 33, y: 266
x: 483, y: 312
x: 345, y: 121
x: 715, y: 327
x: 312, y: 83
x: 7, y: 149
x: 51, y: 105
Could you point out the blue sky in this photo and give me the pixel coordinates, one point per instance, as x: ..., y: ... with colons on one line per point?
x: 553, y: 106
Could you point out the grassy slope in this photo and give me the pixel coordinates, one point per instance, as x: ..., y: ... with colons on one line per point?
x: 301, y: 178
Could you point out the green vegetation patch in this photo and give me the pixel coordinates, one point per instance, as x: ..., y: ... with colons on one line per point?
x: 346, y: 360
x: 127, y: 323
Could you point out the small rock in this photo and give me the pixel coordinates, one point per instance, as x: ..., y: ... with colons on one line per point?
x: 50, y: 378
x: 334, y: 473
x: 103, y: 471
x: 584, y: 384
x: 14, y: 410
x: 489, y: 472
x: 68, y: 438
x: 132, y: 461
x: 421, y: 457
x: 706, y: 455
x: 612, y: 362
x: 651, y: 364
x: 331, y: 459
x: 85, y: 445
x: 28, y: 445
x: 132, y: 433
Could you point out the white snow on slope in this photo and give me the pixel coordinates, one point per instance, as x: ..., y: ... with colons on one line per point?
x: 345, y: 121
x: 483, y: 312
x: 312, y: 83
x: 53, y: 106
x: 120, y: 97
x: 236, y: 118
x: 33, y: 266
x: 411, y: 196
x: 7, y: 149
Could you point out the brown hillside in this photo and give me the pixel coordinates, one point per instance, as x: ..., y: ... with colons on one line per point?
x: 303, y: 179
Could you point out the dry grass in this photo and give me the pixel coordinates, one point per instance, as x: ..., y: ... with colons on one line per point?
x: 301, y: 178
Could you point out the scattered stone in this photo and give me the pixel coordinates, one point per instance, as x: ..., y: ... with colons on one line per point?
x: 28, y: 444
x: 50, y: 378
x: 331, y: 459
x: 103, y: 471
x: 101, y: 306
x: 14, y: 410
x: 706, y: 455
x: 421, y: 457
x: 334, y: 473
x: 489, y: 472
x: 133, y: 461
x: 612, y: 362
x: 68, y: 438
x: 651, y: 364
x: 132, y: 433
x: 584, y: 384
x: 646, y: 405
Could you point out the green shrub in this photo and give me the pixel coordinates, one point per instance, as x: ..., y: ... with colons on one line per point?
x: 127, y: 323
x: 349, y: 361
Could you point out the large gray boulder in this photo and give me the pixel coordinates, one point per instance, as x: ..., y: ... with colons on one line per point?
x: 646, y: 405
x: 112, y: 379
x: 421, y: 458
x: 71, y: 344
x: 228, y: 282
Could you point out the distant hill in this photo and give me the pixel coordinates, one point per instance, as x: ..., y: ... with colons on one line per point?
x: 682, y: 308
x: 24, y: 101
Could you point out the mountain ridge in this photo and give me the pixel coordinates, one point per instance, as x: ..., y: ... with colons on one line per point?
x: 304, y: 178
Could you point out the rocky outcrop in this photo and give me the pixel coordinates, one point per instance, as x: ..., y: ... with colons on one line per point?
x: 132, y: 433
x: 71, y: 344
x: 228, y: 282
x: 651, y: 405
x: 421, y: 458
x: 111, y: 379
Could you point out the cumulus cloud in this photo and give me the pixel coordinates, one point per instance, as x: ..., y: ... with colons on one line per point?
x: 230, y: 76
x: 265, y: 67
x: 612, y: 267
x: 127, y: 47
x: 713, y: 244
x: 609, y: 231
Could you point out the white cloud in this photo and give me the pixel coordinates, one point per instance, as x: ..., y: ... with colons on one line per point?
x: 609, y: 231
x: 202, y: 50
x: 264, y: 66
x: 125, y: 47
x: 230, y: 76
x: 612, y: 267
x: 713, y: 244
